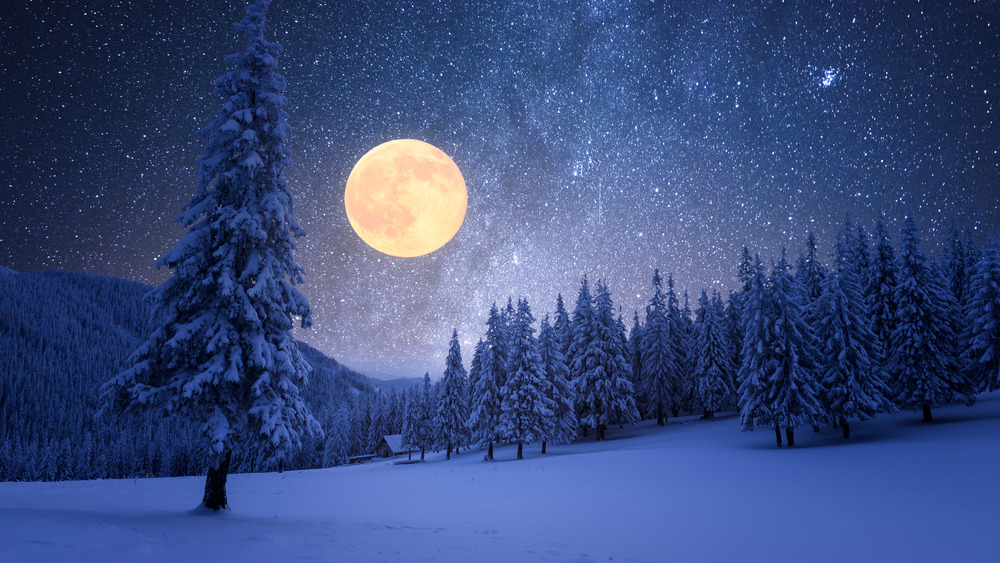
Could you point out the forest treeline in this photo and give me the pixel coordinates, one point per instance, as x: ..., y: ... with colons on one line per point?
x: 882, y: 328
x: 62, y: 336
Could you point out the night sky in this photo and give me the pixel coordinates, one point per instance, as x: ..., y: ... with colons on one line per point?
x: 605, y: 138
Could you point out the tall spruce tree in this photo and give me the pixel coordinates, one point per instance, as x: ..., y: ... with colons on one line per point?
x: 223, y: 354
x: 581, y: 334
x: 558, y: 389
x: 922, y: 363
x: 604, y: 393
x: 659, y: 361
x: 982, y: 312
x: 526, y: 411
x: 712, y: 372
x: 485, y: 397
x: 635, y: 356
x: 679, y: 344
x: 854, y: 384
x: 758, y: 362
x: 792, y: 387
x: 563, y: 328
x: 881, y: 299
x: 452, y: 408
x: 424, y: 432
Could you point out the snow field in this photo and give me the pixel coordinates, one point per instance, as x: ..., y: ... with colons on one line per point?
x: 692, y: 491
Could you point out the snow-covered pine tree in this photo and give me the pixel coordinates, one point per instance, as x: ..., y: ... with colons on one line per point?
x: 853, y: 384
x: 712, y: 372
x: 861, y: 261
x: 411, y: 420
x: 922, y: 363
x: 791, y: 386
x: 558, y: 389
x: 881, y: 300
x: 526, y: 411
x: 485, y: 398
x: 635, y: 356
x: 959, y: 264
x: 452, y: 408
x: 982, y: 312
x: 563, y: 328
x: 758, y: 358
x: 603, y: 392
x: 224, y: 354
x: 659, y: 360
x: 679, y: 344
x: 377, y: 427
x: 734, y: 326
x: 810, y: 273
x: 336, y: 448
x: 623, y: 414
x: 688, y: 358
x: 581, y: 334
x: 425, y: 435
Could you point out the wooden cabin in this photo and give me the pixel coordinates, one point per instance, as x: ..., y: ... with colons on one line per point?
x: 391, y: 446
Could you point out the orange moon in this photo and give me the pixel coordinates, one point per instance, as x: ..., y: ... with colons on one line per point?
x: 406, y: 198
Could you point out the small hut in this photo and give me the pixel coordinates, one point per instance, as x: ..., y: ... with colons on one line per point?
x: 390, y: 446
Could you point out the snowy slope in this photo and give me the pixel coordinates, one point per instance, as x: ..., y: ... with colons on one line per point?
x: 697, y: 491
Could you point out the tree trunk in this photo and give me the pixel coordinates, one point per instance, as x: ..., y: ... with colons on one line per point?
x: 815, y: 427
x: 711, y: 415
x: 448, y: 455
x: 409, y: 455
x: 421, y: 454
x: 584, y: 430
x: 790, y: 435
x: 215, y: 484
x: 520, y: 450
x: 777, y: 434
x: 847, y: 428
x: 927, y: 413
x: 543, y: 446
x: 489, y: 452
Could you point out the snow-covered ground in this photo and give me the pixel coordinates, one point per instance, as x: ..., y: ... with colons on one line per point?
x: 693, y: 491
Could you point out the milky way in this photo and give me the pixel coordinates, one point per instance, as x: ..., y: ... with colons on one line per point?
x: 605, y: 138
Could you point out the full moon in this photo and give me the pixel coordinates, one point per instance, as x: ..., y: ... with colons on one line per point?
x: 406, y: 198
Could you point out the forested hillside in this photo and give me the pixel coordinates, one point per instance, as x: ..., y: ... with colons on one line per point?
x: 62, y: 335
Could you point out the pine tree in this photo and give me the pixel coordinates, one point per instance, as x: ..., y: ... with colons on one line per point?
x: 854, y: 385
x: 982, y: 353
x: 712, y: 372
x: 881, y: 299
x: 526, y: 411
x: 424, y: 434
x: 922, y: 364
x: 659, y: 361
x: 635, y: 356
x: 580, y: 330
x: 224, y: 354
x: 452, y: 409
x: 558, y: 389
x: 734, y: 326
x: 679, y: 345
x: 604, y: 394
x: 687, y: 357
x: 485, y: 398
x: 411, y: 420
x: 791, y: 386
x: 563, y: 328
x: 810, y: 273
x: 758, y: 358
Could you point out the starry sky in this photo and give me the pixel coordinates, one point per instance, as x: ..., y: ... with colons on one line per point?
x: 598, y: 137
